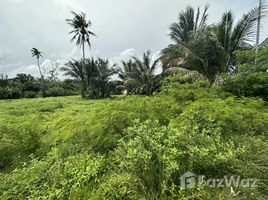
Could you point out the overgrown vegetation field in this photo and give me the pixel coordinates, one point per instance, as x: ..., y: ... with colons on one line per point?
x: 133, y: 147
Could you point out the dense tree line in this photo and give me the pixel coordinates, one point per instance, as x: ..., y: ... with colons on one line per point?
x: 26, y: 86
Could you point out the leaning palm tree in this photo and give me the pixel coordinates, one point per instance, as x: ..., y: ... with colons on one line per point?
x: 75, y: 69
x: 142, y: 75
x: 80, y: 30
x: 241, y: 35
x: 38, y: 54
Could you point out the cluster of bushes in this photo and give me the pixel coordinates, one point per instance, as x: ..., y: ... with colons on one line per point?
x: 251, y: 79
x: 248, y: 85
x: 26, y: 86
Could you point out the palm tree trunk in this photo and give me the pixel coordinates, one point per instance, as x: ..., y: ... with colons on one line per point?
x: 258, y: 32
x: 42, y: 79
x: 85, y: 82
x: 39, y: 68
x: 83, y: 88
x: 83, y: 49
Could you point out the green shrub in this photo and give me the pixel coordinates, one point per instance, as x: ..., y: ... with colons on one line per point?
x: 249, y: 85
x: 185, y: 89
x: 231, y: 116
x: 159, y: 155
x: 29, y: 94
x: 10, y: 93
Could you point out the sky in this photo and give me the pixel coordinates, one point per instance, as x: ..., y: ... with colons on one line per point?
x: 124, y: 28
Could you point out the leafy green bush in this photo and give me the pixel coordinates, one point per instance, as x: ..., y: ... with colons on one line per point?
x: 230, y: 116
x: 10, y: 93
x: 249, y: 85
x: 29, y: 94
x: 186, y: 89
x: 246, y: 60
x: 159, y: 155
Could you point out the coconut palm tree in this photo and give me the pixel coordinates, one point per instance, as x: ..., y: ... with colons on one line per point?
x: 124, y: 74
x: 81, y: 32
x: 127, y: 67
x: 75, y: 69
x: 193, y: 45
x: 201, y: 52
x: 188, y: 20
x: 141, y: 74
x: 103, y: 77
x: 240, y: 35
x: 38, y: 54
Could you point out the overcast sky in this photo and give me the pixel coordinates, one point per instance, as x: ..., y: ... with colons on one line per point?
x: 123, y: 27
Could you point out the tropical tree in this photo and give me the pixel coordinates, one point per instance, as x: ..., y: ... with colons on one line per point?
x: 103, y: 78
x: 38, y: 54
x: 127, y: 67
x: 188, y: 20
x: 95, y: 73
x: 201, y: 52
x: 81, y: 32
x: 240, y: 35
x: 140, y: 75
x: 124, y: 74
x: 75, y: 69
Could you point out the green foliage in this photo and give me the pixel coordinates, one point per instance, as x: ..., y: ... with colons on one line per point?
x: 252, y: 78
x: 202, y: 53
x: 246, y: 60
x: 93, y: 75
x: 249, y: 85
x: 10, y: 93
x: 58, y: 177
x: 26, y: 86
x: 158, y: 155
x: 17, y: 144
x: 138, y: 76
x: 120, y: 186
x: 133, y: 147
x: 186, y: 89
x: 224, y: 115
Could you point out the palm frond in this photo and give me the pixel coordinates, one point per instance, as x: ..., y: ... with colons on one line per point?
x: 264, y: 43
x: 80, y: 30
x: 224, y: 29
x: 188, y: 21
x: 36, y: 53
x: 244, y: 32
